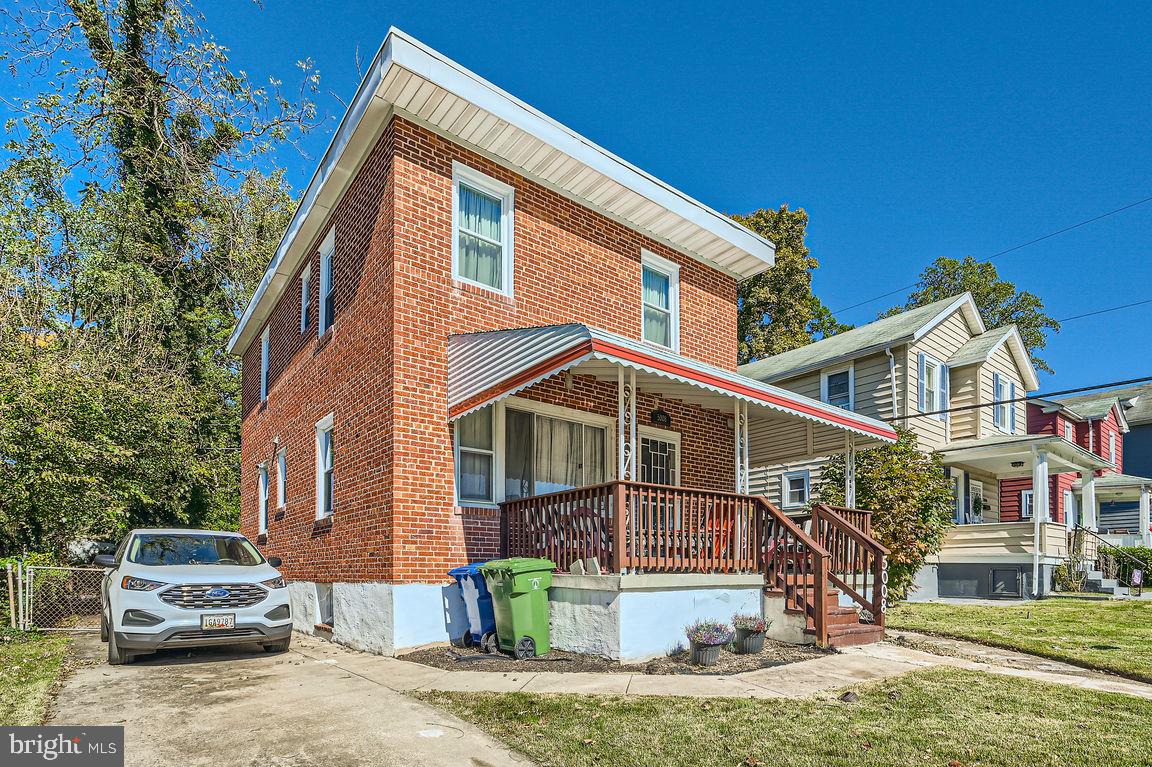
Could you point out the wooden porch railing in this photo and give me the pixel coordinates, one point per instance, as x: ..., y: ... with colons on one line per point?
x: 638, y: 527
x: 857, y: 563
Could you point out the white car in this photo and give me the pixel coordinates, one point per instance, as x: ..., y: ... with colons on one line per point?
x: 191, y: 588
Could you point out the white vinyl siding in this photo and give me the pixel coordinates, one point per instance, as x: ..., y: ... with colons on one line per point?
x: 482, y: 228
x: 660, y: 299
x: 326, y: 314
x: 940, y: 343
x: 1002, y: 366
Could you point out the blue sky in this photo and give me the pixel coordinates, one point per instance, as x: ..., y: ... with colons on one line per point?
x: 918, y: 132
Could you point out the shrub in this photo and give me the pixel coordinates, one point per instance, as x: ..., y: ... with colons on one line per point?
x: 753, y: 623
x: 709, y: 633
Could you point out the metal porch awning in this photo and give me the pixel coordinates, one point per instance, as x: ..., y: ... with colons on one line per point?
x: 486, y: 367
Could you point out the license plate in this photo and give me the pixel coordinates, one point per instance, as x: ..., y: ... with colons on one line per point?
x: 208, y: 622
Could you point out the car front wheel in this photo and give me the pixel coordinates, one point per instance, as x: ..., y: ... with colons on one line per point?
x: 103, y: 627
x: 281, y: 646
x: 116, y: 656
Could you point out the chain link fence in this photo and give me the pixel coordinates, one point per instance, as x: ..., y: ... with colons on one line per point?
x: 53, y: 598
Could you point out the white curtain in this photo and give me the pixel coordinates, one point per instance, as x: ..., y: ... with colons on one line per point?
x: 480, y: 246
x: 657, y: 309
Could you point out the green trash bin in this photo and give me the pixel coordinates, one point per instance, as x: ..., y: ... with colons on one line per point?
x: 519, y: 588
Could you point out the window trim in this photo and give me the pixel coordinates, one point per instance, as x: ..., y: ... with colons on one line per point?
x: 324, y: 426
x: 596, y: 420
x: 973, y: 484
x: 1003, y: 408
x: 458, y: 449
x: 305, y: 297
x: 462, y: 173
x: 1112, y: 448
x: 942, y: 386
x: 263, y: 493
x: 850, y: 368
x: 281, y: 477
x: 265, y: 358
x: 671, y: 270
x: 325, y: 299
x: 804, y: 474
x: 1031, y: 496
x: 1069, y: 432
x: 663, y: 435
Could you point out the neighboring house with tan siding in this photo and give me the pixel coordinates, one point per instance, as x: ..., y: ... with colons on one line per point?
x: 909, y: 369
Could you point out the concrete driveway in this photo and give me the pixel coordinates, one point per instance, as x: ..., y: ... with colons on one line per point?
x: 245, y: 707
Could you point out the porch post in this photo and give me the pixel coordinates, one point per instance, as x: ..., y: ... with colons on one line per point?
x: 633, y: 443
x: 1088, y: 500
x: 740, y: 446
x: 850, y: 471
x: 1145, y: 514
x: 1039, y: 512
x: 625, y: 424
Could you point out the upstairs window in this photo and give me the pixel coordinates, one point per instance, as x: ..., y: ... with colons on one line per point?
x: 263, y: 490
x: 661, y: 301
x: 281, y: 478
x: 325, y: 465
x: 1026, y: 508
x: 305, y: 297
x: 1069, y: 432
x: 1112, y: 448
x: 265, y: 347
x: 475, y: 457
x: 481, y: 230
x: 933, y: 386
x: 327, y: 313
x: 1003, y: 406
x: 794, y: 489
x: 836, y: 388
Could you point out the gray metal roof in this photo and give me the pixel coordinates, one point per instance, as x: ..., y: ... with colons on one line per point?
x: 980, y: 347
x: 1136, y: 399
x: 485, y: 367
x: 850, y: 344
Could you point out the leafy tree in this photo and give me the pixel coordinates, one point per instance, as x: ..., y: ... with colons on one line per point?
x: 999, y: 302
x: 910, y: 499
x: 134, y: 217
x: 777, y: 311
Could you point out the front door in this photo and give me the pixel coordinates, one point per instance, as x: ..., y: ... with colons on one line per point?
x: 659, y: 461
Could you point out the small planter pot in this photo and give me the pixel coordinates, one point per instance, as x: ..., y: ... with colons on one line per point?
x: 705, y: 654
x: 749, y: 642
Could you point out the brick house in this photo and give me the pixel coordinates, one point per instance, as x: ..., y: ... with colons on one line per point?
x: 483, y: 334
x: 960, y: 388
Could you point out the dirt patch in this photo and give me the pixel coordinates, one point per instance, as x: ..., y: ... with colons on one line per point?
x: 471, y: 659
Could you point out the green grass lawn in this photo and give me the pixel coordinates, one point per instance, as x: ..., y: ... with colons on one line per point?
x: 944, y: 717
x: 29, y: 665
x: 1112, y: 636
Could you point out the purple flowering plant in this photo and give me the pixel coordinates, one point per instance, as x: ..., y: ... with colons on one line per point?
x: 752, y: 623
x: 709, y: 633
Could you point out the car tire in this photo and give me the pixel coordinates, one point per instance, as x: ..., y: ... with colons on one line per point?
x: 103, y: 627
x: 117, y: 656
x: 281, y: 646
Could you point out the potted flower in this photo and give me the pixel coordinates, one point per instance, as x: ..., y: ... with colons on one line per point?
x: 706, y: 638
x: 749, y: 633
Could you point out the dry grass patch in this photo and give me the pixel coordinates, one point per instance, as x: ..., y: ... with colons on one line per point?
x: 30, y: 664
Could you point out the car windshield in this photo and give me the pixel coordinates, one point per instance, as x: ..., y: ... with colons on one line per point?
x: 159, y: 549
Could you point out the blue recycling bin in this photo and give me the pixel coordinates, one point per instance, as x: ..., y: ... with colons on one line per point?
x: 478, y: 604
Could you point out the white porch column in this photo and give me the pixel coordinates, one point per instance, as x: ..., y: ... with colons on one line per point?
x: 740, y: 446
x: 1039, y: 512
x: 1145, y: 514
x: 625, y: 424
x: 850, y: 471
x: 1090, y: 509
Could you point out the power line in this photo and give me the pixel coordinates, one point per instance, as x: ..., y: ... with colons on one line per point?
x: 1105, y: 311
x: 1006, y: 251
x: 1046, y: 395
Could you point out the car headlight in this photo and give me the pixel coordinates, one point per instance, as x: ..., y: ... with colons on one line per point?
x: 131, y: 583
x: 274, y: 583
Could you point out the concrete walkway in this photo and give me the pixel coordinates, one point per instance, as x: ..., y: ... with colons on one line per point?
x: 795, y: 680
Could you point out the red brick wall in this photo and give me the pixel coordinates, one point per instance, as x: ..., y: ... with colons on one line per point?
x: 346, y: 373
x: 396, y: 304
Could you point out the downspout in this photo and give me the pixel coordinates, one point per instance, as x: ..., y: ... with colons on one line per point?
x: 892, y: 380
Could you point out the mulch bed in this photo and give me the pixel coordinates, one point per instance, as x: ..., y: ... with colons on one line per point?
x: 471, y: 659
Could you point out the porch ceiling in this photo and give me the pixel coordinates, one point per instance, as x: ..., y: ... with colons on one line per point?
x: 1118, y: 487
x: 996, y: 455
x: 486, y: 367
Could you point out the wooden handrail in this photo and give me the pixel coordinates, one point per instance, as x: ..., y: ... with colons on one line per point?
x: 856, y: 556
x: 796, y: 564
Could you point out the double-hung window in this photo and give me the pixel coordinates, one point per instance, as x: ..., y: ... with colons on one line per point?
x: 305, y: 297
x: 836, y: 388
x: 265, y: 348
x: 1003, y: 407
x: 262, y: 525
x: 327, y: 313
x: 325, y: 463
x: 661, y: 301
x: 481, y: 230
x: 476, y: 456
x: 547, y: 454
x: 794, y: 489
x: 933, y: 386
x: 281, y: 478
x: 1026, y: 507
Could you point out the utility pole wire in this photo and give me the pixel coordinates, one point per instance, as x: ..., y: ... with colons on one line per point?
x: 1105, y: 311
x: 1006, y: 251
x: 1027, y: 398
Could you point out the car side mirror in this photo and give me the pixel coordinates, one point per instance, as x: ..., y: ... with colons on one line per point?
x: 275, y: 562
x: 105, y: 560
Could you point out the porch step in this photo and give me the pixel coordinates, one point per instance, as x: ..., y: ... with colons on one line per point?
x: 853, y: 636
